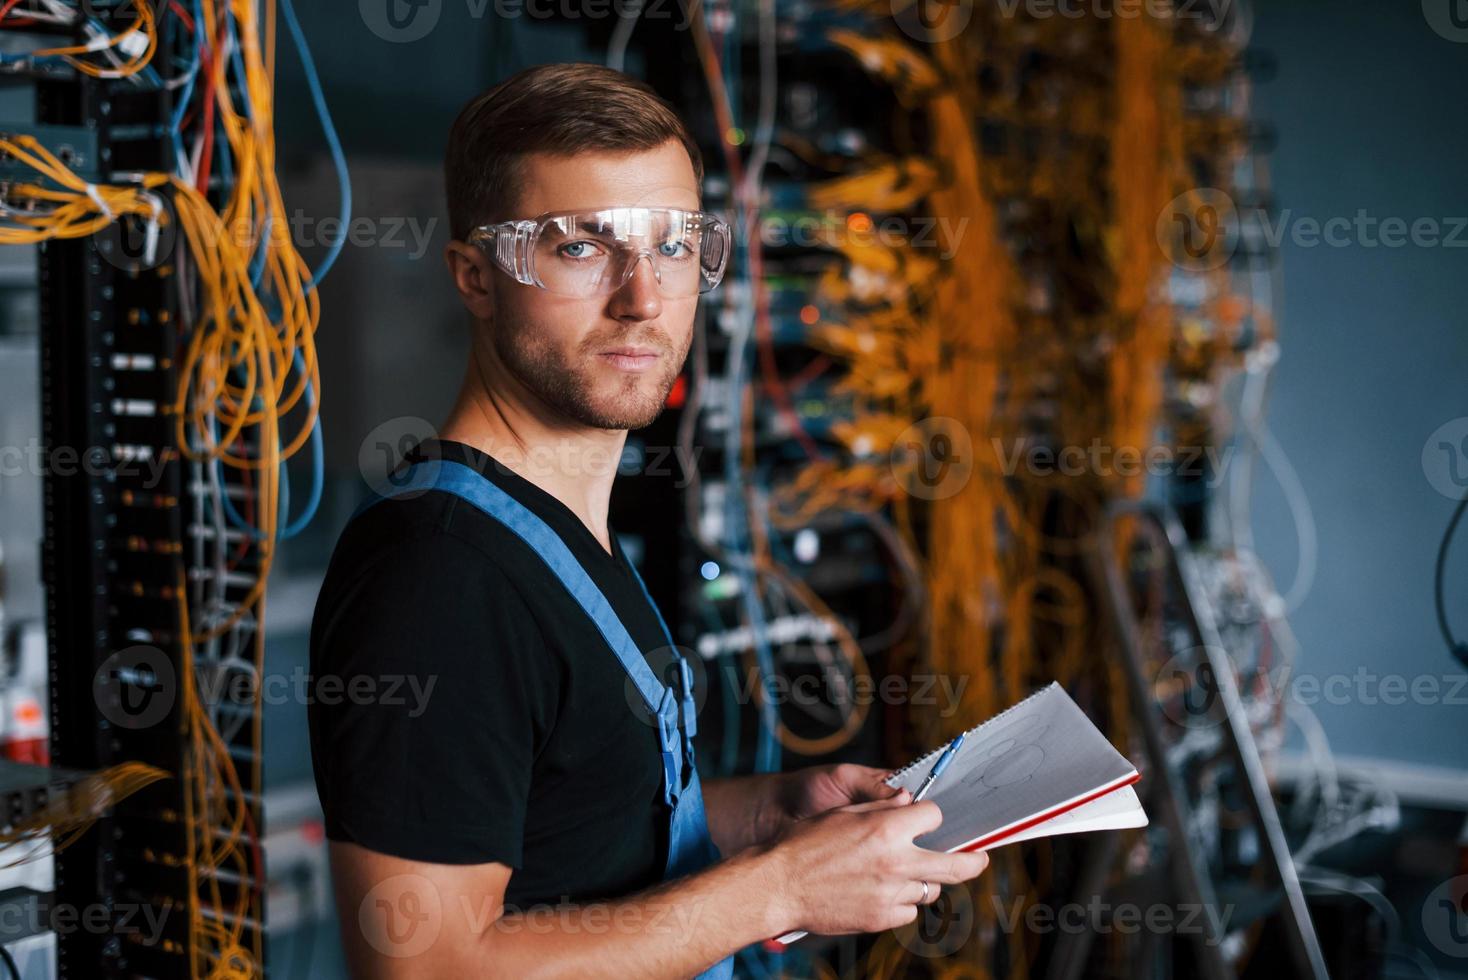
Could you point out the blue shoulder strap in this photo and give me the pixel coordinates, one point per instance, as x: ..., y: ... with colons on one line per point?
x: 473, y: 487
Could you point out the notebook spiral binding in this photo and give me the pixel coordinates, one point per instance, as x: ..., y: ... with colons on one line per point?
x: 932, y: 756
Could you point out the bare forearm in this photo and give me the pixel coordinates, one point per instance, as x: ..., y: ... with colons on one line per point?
x: 744, y: 810
x: 676, y: 929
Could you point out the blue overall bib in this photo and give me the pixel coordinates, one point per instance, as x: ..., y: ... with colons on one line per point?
x: 690, y: 847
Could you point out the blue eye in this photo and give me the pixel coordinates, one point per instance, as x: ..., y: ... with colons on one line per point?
x: 576, y: 250
x: 674, y: 250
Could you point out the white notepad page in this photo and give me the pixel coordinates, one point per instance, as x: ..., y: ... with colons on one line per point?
x: 1037, y: 769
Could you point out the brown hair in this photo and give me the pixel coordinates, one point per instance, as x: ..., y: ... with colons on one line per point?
x: 560, y: 109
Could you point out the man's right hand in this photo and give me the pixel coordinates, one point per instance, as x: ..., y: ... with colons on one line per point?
x: 856, y: 868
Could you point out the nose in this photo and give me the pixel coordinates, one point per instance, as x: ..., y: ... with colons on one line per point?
x: 639, y: 297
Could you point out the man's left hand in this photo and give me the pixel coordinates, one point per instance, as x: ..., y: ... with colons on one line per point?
x: 816, y: 789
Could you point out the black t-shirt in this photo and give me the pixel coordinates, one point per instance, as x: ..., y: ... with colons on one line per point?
x: 530, y: 748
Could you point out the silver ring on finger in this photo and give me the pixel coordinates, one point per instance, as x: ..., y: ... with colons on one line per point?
x: 924, y: 899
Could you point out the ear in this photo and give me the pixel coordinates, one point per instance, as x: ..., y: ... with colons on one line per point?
x: 473, y: 276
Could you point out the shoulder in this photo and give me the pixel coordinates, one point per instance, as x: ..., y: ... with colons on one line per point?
x: 433, y: 536
x: 420, y: 572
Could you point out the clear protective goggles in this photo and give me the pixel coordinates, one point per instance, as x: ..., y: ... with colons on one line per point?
x: 593, y: 253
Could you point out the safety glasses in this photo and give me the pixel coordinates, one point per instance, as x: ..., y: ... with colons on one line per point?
x: 593, y: 253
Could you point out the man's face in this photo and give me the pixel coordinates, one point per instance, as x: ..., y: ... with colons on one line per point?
x: 561, y: 347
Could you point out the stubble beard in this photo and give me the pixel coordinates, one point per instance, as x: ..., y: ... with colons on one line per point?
x: 569, y: 387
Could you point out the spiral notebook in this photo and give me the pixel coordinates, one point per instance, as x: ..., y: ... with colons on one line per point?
x: 1036, y: 769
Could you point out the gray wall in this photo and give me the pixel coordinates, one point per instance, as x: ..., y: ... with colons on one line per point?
x: 1368, y: 103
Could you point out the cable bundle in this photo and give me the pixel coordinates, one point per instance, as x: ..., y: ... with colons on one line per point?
x: 250, y: 361
x: 33, y: 212
x: 71, y: 813
x: 136, y: 43
x: 1050, y: 320
x: 247, y: 361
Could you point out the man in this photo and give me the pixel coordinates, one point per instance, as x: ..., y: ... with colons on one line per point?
x: 538, y: 811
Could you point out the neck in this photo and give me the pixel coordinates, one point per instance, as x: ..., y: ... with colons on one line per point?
x: 572, y: 462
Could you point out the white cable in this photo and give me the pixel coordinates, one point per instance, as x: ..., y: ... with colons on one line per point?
x: 150, y: 236
x: 1307, y: 545
x: 196, y: 155
x: 622, y: 34
x: 1255, y: 437
x: 1323, y: 773
x: 1259, y: 365
x: 98, y: 200
x: 764, y: 129
x: 44, y: 16
x: 1353, y: 886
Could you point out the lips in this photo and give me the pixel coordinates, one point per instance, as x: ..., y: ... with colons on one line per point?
x: 631, y: 358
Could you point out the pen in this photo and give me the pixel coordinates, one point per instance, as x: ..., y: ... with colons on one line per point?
x: 938, y: 767
x: 922, y: 789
